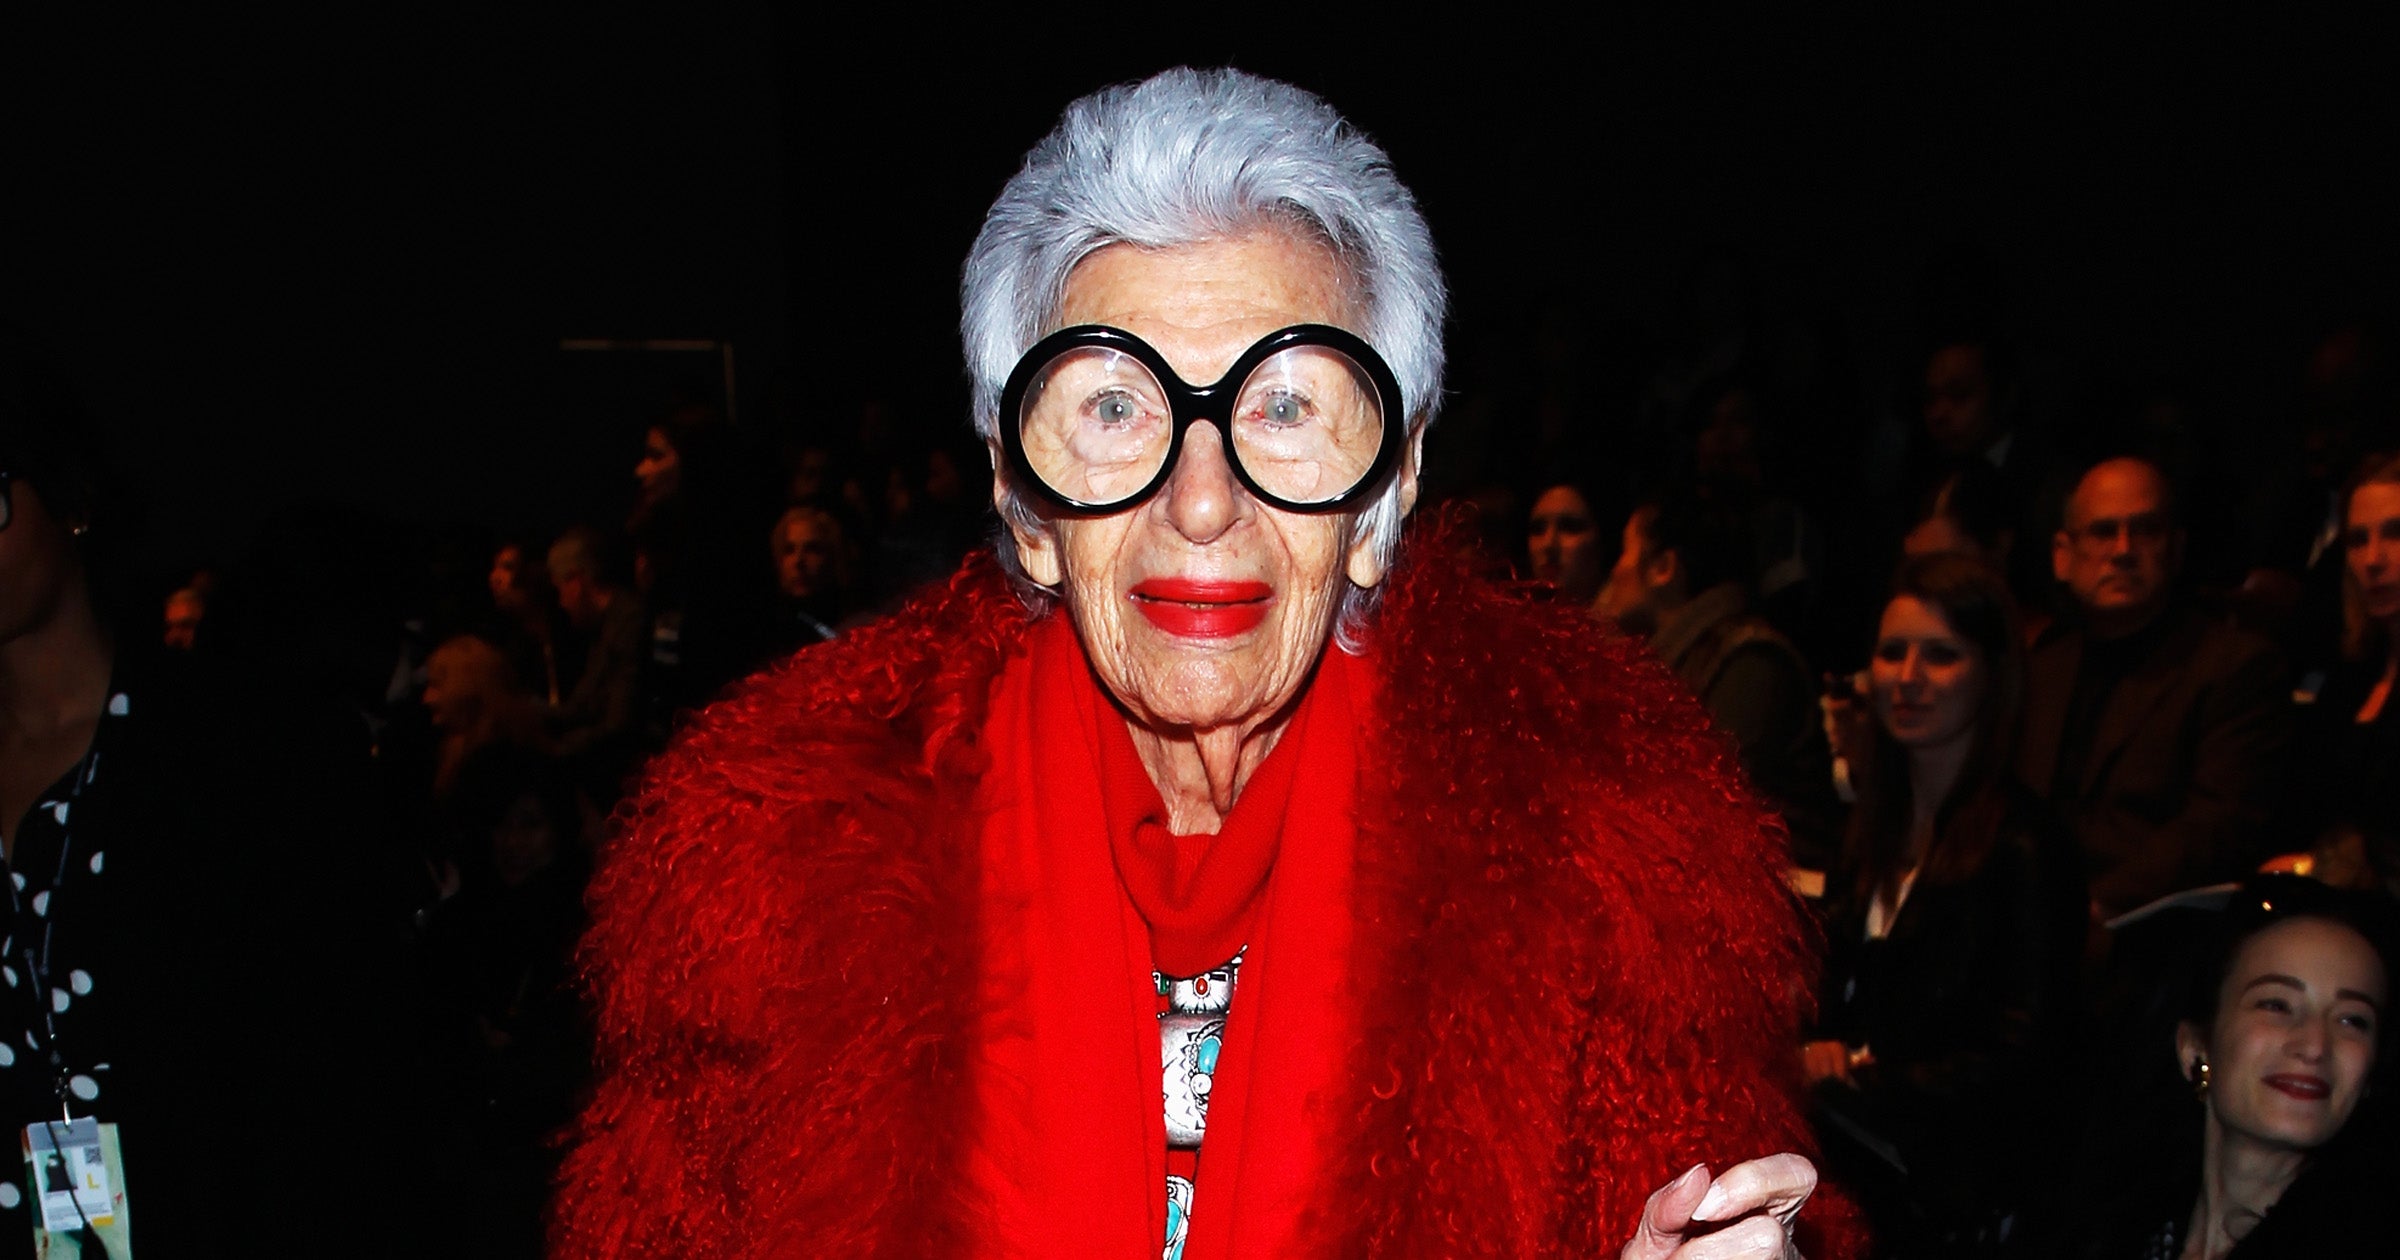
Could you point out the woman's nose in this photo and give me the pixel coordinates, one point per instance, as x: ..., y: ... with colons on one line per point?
x: 1202, y: 497
x: 1912, y: 667
x: 2308, y: 1040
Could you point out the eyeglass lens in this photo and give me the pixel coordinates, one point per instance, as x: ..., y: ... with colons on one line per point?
x: 1306, y: 424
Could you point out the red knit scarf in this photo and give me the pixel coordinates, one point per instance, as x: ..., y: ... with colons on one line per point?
x: 1068, y: 1149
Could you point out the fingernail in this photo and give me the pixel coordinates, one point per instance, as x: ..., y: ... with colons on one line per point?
x: 1709, y: 1203
x: 1689, y: 1173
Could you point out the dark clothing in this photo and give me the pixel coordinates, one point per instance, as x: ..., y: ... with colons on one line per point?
x: 511, y: 1047
x: 2105, y: 663
x: 1755, y: 685
x: 217, y: 941
x: 1967, y: 1003
x: 606, y: 705
x: 2346, y: 783
x: 2141, y: 1208
x: 2185, y: 759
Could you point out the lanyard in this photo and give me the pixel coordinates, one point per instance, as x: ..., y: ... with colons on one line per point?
x: 37, y: 962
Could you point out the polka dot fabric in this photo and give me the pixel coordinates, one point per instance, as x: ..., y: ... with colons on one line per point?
x: 52, y: 998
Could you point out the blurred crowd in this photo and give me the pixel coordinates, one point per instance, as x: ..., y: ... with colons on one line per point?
x: 2035, y: 674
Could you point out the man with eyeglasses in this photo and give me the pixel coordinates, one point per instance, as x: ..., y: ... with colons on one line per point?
x: 2158, y: 732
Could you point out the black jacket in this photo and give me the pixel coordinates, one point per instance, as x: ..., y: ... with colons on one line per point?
x: 2186, y: 762
x: 1967, y: 1004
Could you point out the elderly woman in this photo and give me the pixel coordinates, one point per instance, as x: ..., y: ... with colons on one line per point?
x: 1441, y: 928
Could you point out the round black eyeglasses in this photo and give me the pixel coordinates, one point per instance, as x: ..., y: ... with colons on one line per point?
x: 1093, y: 419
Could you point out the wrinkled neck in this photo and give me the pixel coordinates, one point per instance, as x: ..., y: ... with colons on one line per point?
x: 1200, y: 773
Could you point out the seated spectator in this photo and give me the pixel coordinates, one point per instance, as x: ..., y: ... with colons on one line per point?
x: 530, y: 619
x: 2158, y: 733
x: 1678, y: 582
x: 2279, y: 1145
x: 510, y: 1041
x: 816, y: 572
x: 2345, y: 793
x: 187, y: 606
x: 1966, y: 512
x: 1963, y: 513
x: 1955, y: 924
x: 1974, y: 411
x: 1562, y: 543
x: 698, y: 515
x: 1733, y: 460
x: 475, y: 703
x: 602, y: 715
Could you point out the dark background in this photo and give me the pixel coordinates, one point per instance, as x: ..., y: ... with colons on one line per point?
x: 333, y: 256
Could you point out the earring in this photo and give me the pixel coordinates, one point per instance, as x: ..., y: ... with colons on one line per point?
x: 79, y: 530
x: 2200, y: 1078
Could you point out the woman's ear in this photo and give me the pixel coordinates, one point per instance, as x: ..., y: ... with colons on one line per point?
x: 2191, y: 1050
x: 1363, y: 566
x: 1037, y: 547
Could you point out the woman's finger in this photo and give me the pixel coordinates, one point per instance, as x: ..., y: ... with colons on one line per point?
x: 1759, y: 1238
x: 1666, y: 1216
x: 1777, y: 1185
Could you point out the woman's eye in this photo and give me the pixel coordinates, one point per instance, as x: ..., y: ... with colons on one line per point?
x: 2273, y: 1004
x: 1283, y: 409
x: 2359, y: 1022
x: 1941, y: 654
x: 2354, y: 538
x: 1114, y: 409
x: 1893, y: 653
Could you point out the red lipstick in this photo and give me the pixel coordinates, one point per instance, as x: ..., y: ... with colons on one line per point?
x: 2304, y: 1088
x: 1198, y: 609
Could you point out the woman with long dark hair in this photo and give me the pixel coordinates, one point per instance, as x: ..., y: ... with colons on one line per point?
x: 1955, y: 923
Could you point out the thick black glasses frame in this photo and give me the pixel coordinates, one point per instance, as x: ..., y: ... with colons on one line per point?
x: 1190, y: 403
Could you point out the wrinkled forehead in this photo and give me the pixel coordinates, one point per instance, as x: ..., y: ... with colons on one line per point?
x: 1203, y: 304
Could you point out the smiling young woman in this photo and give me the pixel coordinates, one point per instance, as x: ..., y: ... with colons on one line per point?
x: 1955, y: 923
x: 2282, y: 1046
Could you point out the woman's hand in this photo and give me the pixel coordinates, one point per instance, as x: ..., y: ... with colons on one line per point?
x: 1748, y: 1211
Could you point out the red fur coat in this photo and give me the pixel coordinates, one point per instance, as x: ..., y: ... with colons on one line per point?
x: 1604, y: 974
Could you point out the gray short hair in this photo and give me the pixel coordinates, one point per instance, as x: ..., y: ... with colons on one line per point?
x: 1189, y: 156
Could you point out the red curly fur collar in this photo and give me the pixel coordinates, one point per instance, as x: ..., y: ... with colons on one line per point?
x: 1584, y: 975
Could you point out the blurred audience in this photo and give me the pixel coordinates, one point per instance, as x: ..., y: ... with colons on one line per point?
x: 508, y: 1036
x: 815, y: 571
x: 187, y: 607
x: 475, y: 703
x: 529, y: 618
x: 1678, y: 582
x: 2345, y: 792
x: 601, y: 717
x: 1563, y: 544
